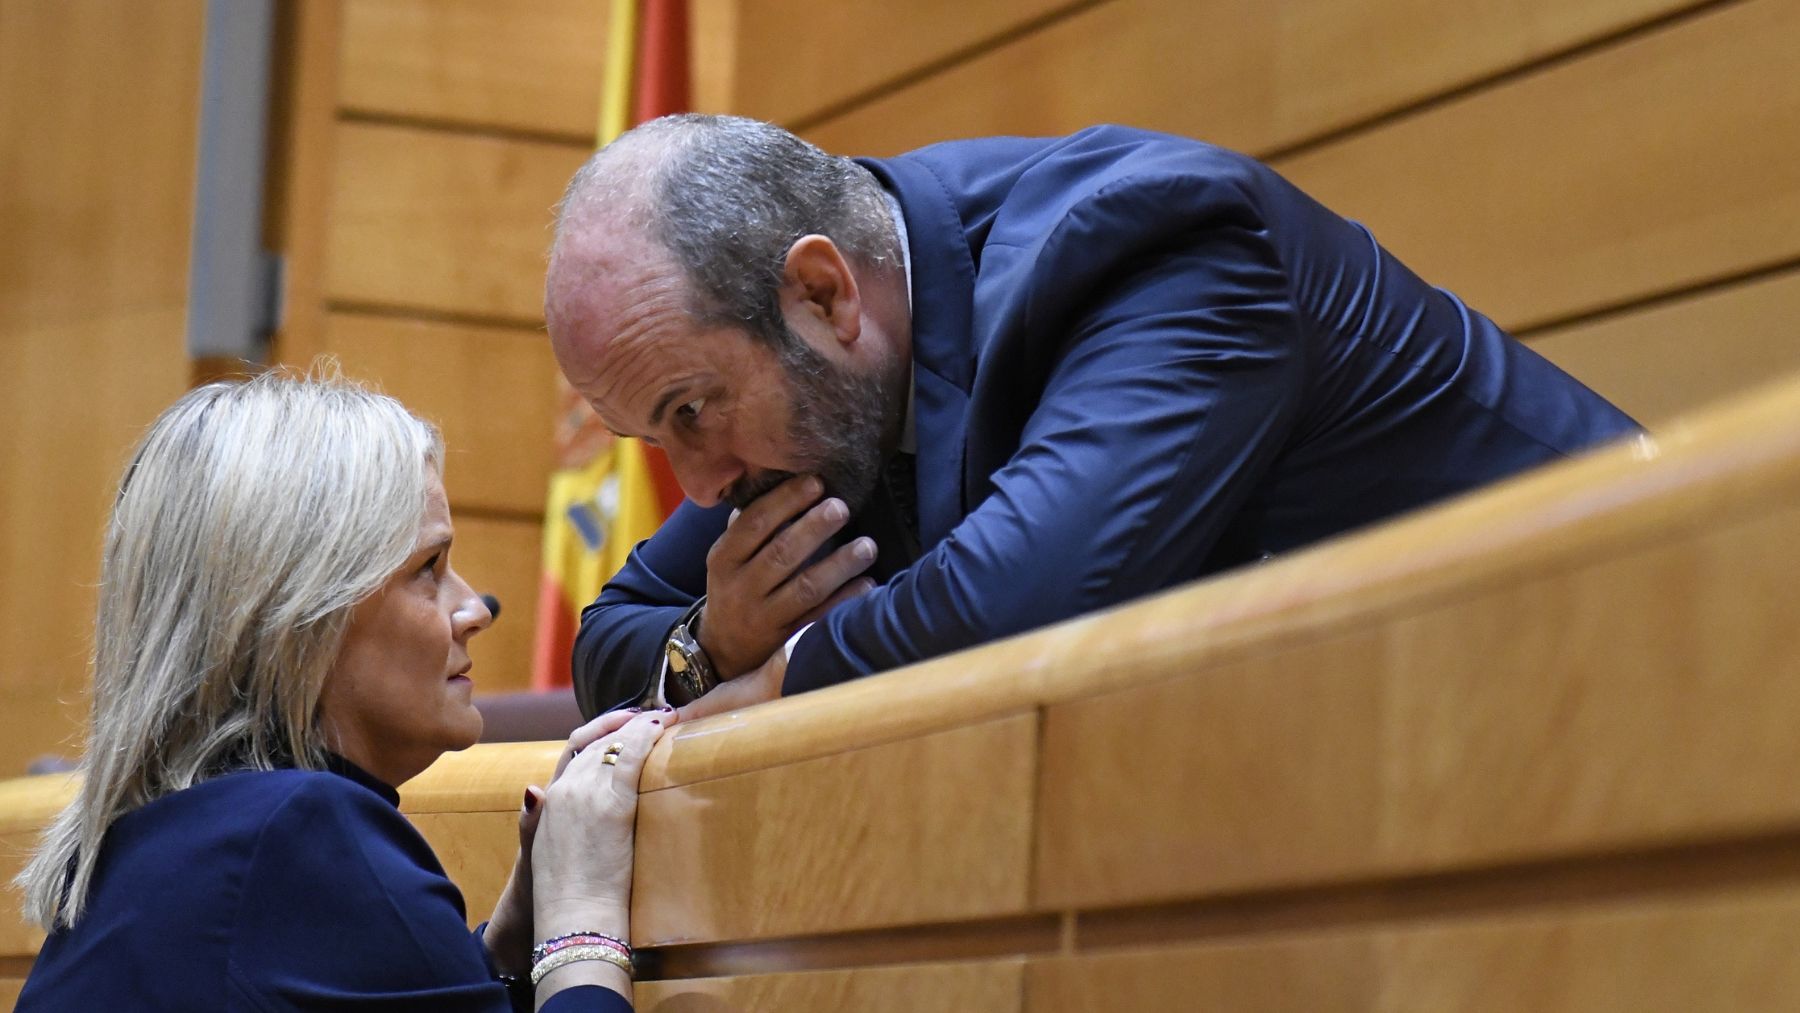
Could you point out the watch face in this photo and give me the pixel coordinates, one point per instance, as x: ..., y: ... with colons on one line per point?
x: 678, y: 662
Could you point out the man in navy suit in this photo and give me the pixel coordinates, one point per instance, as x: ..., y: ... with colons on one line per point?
x: 919, y: 403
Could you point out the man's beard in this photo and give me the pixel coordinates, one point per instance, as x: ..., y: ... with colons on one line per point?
x: 836, y: 421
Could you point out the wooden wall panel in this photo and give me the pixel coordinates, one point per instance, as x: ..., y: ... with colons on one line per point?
x: 501, y: 556
x: 1726, y: 952
x: 492, y: 391
x: 1242, y: 74
x: 303, y: 129
x: 93, y: 289
x: 892, y: 834
x: 1469, y: 731
x: 476, y: 62
x: 1661, y: 162
x: 993, y: 987
x: 1671, y: 358
x: 85, y: 234
x: 847, y: 47
x: 444, y: 223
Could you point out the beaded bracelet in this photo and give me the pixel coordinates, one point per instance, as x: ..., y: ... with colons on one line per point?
x: 573, y: 954
x: 549, y: 946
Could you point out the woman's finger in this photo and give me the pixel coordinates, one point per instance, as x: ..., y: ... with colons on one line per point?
x: 634, y: 741
x: 605, y: 724
x: 529, y: 814
x: 638, y: 737
x: 584, y: 736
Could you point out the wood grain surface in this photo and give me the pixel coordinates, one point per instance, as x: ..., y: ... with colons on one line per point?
x: 1254, y: 76
x: 1676, y: 356
x: 96, y: 194
x: 490, y: 390
x: 443, y: 223
x: 1661, y: 162
x: 789, y: 61
x: 917, y: 988
x: 501, y: 555
x: 930, y: 829
x: 533, y: 68
x: 1725, y: 952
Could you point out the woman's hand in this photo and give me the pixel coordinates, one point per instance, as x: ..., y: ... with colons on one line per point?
x: 582, y: 851
x: 509, y: 936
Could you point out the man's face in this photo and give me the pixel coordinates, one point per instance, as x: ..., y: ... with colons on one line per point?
x: 836, y: 421
x: 735, y: 416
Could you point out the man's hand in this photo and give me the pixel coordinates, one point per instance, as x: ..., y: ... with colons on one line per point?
x: 757, y: 686
x: 759, y: 586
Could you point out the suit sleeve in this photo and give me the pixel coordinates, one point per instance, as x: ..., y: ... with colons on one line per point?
x: 345, y: 907
x: 1175, y: 389
x: 619, y: 648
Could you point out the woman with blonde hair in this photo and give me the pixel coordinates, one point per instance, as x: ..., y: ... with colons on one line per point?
x: 281, y: 641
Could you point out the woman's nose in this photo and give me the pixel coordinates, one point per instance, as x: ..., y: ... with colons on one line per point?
x: 473, y: 613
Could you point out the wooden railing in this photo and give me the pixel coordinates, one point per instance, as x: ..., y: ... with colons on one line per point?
x: 1533, y: 749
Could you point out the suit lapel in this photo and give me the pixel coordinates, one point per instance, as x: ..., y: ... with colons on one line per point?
x: 943, y: 284
x: 939, y: 407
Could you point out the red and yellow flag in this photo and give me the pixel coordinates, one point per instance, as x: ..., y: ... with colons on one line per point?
x: 607, y: 493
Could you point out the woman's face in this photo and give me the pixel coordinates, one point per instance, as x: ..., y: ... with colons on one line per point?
x: 398, y: 695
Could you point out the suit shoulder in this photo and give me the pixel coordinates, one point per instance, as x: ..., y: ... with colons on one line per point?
x: 1096, y: 155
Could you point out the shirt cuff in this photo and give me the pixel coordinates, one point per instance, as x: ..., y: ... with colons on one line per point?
x: 787, y: 650
x: 655, y: 698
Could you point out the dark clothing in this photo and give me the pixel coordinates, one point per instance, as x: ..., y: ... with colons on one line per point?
x: 1139, y: 359
x: 275, y: 890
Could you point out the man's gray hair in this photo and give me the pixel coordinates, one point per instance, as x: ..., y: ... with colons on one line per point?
x: 726, y: 197
x: 253, y: 518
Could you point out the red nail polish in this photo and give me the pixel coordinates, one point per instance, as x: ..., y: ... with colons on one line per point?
x: 530, y: 801
x: 656, y: 721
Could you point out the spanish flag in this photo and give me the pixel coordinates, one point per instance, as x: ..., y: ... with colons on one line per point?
x: 607, y: 493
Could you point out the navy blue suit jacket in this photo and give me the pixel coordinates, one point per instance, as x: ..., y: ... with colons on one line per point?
x: 275, y: 890
x: 1139, y: 359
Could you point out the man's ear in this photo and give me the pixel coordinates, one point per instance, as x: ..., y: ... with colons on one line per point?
x: 819, y: 288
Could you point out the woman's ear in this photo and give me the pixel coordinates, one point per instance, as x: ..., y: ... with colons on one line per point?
x: 818, y: 286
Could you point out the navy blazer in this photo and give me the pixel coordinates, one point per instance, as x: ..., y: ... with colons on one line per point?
x: 1139, y: 359
x: 275, y: 890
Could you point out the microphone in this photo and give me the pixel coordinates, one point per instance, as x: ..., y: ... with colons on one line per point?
x: 493, y: 605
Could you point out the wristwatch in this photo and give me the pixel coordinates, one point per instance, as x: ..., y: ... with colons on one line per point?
x: 690, y: 670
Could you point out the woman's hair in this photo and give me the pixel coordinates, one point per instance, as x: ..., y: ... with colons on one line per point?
x: 251, y: 519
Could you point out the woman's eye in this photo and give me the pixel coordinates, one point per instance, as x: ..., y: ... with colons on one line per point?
x: 431, y: 564
x: 691, y: 410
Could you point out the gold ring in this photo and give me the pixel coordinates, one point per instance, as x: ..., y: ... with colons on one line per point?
x: 614, y: 748
x: 610, y: 759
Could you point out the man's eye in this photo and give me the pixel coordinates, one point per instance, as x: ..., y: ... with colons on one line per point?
x: 432, y: 563
x: 691, y: 410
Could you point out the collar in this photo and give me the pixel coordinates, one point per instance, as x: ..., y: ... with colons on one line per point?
x: 942, y: 271
x: 344, y: 768
x: 909, y: 428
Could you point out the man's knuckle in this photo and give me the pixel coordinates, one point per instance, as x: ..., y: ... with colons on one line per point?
x: 781, y: 554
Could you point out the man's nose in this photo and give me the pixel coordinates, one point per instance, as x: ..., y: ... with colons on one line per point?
x: 705, y: 478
